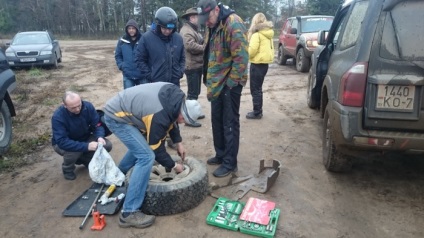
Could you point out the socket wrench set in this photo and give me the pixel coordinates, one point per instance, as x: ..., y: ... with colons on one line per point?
x: 256, y: 217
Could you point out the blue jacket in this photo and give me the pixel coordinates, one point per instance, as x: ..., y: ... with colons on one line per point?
x: 71, y: 132
x: 124, y: 53
x: 160, y: 58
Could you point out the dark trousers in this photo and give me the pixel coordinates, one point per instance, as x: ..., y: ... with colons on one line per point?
x: 71, y: 158
x: 257, y: 75
x: 226, y: 125
x: 194, y: 78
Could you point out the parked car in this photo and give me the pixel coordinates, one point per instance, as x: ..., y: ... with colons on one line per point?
x: 7, y: 110
x: 298, y: 39
x: 33, y: 48
x: 368, y: 81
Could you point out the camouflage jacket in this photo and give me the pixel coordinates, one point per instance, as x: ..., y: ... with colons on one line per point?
x: 226, y: 56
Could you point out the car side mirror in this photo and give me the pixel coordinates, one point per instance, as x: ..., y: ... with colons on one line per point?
x: 322, y: 37
x: 293, y: 31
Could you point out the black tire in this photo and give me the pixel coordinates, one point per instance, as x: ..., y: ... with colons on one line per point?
x: 170, y: 193
x: 303, y: 63
x: 55, y: 64
x: 5, y: 128
x: 282, y: 58
x: 311, y: 92
x: 333, y: 160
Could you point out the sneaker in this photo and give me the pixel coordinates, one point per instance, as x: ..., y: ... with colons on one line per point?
x: 222, y: 171
x: 136, y: 219
x: 69, y: 176
x: 252, y: 115
x: 195, y: 124
x: 214, y: 161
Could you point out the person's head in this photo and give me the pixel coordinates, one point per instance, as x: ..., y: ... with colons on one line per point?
x: 166, y: 19
x: 189, y: 112
x: 191, y: 15
x: 208, y: 12
x: 131, y: 31
x: 131, y: 28
x: 257, y: 19
x: 72, y: 102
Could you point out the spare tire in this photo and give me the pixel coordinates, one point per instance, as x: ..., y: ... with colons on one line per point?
x: 170, y: 193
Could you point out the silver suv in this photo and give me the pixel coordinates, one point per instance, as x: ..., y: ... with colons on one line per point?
x: 368, y: 80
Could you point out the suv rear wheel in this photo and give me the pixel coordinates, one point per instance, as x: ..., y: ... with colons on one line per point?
x: 311, y: 94
x: 302, y: 62
x: 282, y: 59
x: 5, y: 128
x: 333, y: 160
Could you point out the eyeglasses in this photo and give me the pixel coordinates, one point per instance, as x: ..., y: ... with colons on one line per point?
x: 74, y: 108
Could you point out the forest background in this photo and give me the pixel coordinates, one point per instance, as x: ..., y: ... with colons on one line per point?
x: 105, y: 19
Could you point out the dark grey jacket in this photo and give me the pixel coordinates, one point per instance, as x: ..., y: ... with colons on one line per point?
x: 153, y: 109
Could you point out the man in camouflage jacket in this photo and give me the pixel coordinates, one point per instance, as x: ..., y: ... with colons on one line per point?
x: 225, y: 73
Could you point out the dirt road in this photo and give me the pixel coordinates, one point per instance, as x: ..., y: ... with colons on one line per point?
x: 382, y: 197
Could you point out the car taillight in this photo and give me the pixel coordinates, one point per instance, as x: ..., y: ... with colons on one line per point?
x: 352, y: 86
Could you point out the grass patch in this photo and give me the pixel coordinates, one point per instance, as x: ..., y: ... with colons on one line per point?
x: 76, y: 88
x: 16, y: 156
x: 35, y: 72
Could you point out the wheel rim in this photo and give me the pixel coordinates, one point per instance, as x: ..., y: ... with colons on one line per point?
x: 280, y: 53
x: 309, y: 94
x: 327, y: 141
x: 2, y: 127
x: 160, y: 175
x: 299, y: 59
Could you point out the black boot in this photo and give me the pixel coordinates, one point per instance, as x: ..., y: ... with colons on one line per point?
x: 253, y: 115
x: 68, y: 172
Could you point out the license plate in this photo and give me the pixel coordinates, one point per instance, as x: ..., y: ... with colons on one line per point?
x: 28, y: 59
x: 395, y: 97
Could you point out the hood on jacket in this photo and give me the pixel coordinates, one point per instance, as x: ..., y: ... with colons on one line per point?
x: 224, y: 12
x: 266, y: 29
x: 133, y: 23
x: 171, y: 97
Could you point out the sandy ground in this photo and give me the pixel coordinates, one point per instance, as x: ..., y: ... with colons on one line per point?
x: 381, y: 197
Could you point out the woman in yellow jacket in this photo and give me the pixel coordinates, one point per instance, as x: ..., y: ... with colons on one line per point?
x: 261, y: 53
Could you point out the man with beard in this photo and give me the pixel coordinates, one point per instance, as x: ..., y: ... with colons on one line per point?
x: 77, y: 131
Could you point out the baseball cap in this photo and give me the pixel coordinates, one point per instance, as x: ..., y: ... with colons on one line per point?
x: 191, y: 111
x: 204, y: 7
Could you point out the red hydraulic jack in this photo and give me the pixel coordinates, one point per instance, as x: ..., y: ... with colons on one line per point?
x: 99, y: 220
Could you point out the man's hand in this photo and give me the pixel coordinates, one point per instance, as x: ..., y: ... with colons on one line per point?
x: 178, y: 168
x: 101, y: 140
x: 181, y: 151
x: 92, y: 146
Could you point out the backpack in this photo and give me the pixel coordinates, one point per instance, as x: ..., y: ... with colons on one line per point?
x: 102, y: 122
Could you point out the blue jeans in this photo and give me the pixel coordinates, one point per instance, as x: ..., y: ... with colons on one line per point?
x: 128, y: 82
x: 139, y: 156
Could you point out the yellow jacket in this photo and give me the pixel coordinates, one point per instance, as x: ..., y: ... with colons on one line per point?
x: 261, y: 45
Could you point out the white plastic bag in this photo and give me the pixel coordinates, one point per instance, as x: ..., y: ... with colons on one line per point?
x: 103, y: 169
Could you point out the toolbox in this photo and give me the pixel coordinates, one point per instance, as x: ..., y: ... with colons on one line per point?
x: 80, y: 206
x: 256, y: 217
